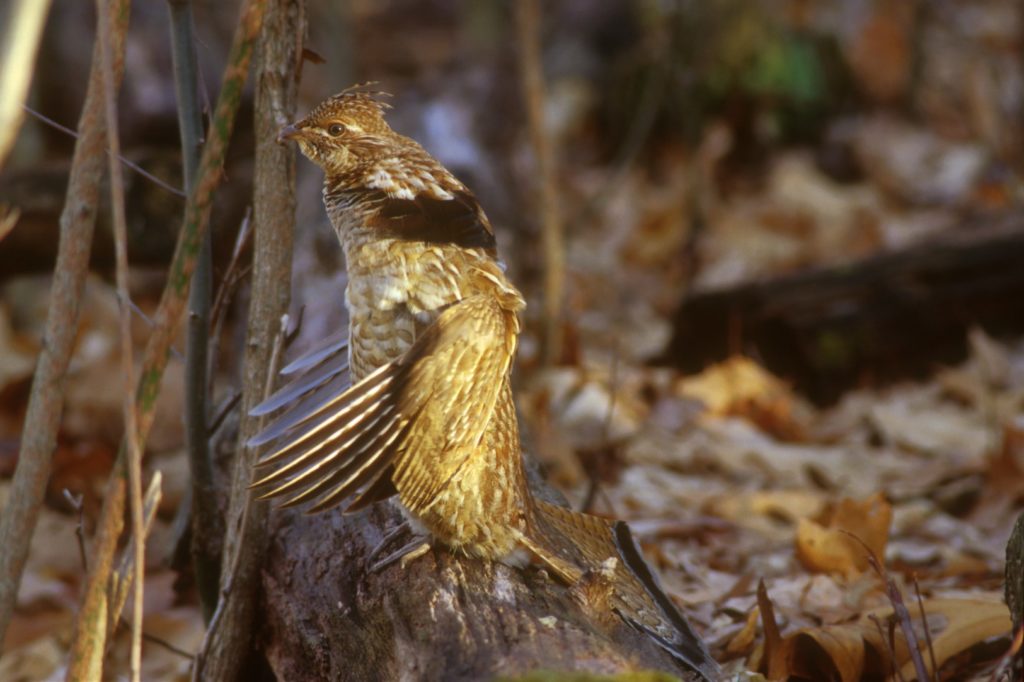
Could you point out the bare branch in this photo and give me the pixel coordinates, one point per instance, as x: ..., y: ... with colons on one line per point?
x: 172, y: 305
x: 39, y: 432
x: 105, y: 24
x: 121, y: 578
x: 228, y: 642
x: 207, y: 525
x: 131, y: 164
x: 528, y: 16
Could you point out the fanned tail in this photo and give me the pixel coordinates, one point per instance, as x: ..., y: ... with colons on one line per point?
x: 572, y: 544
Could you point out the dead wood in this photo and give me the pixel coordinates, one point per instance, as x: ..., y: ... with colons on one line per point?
x: 1014, y: 588
x: 893, y: 316
x: 440, y: 618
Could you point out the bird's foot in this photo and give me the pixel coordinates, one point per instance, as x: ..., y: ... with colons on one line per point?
x: 411, y: 551
x: 388, y: 538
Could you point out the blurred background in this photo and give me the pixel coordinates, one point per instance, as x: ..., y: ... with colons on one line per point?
x: 794, y: 276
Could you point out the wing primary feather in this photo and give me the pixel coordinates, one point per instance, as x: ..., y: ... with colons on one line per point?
x: 344, y: 439
x: 379, y: 488
x: 315, y: 434
x: 350, y: 467
x: 332, y: 345
x: 351, y: 475
x: 305, y: 410
x: 295, y: 390
x: 376, y: 465
x: 343, y: 405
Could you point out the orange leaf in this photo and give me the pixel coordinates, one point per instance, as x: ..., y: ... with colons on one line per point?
x: 827, y: 547
x: 835, y: 652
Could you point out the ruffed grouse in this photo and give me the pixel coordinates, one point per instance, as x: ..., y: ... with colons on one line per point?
x: 433, y: 325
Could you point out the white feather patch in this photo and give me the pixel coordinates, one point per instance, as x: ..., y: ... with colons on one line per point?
x: 381, y: 179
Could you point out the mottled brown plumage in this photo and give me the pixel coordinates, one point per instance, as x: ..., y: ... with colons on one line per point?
x: 433, y: 331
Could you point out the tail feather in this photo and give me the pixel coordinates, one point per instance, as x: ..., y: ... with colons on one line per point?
x: 684, y: 644
x: 571, y: 543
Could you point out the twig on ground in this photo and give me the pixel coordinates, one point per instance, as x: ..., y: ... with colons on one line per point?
x: 90, y: 634
x: 39, y: 431
x: 225, y: 408
x: 899, y: 610
x: 890, y: 646
x: 927, y: 630
x: 167, y: 645
x: 903, y: 618
x: 75, y: 502
x: 233, y: 276
x: 141, y: 314
x: 122, y: 576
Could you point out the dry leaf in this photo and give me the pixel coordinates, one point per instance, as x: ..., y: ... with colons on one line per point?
x: 881, y: 54
x: 745, y: 637
x: 851, y: 651
x: 835, y: 652
x: 955, y: 625
x: 832, y: 546
x: 773, y: 651
x: 740, y: 387
x: 37, y: 661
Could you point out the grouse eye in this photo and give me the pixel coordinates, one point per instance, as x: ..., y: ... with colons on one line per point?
x: 335, y: 129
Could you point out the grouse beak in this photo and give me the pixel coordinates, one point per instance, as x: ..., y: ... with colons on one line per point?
x: 289, y: 132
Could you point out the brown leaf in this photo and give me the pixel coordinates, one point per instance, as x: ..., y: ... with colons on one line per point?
x: 852, y: 651
x: 835, y: 652
x: 828, y: 547
x: 955, y: 625
x: 740, y: 387
x: 742, y: 640
x: 882, y: 51
x: 773, y: 650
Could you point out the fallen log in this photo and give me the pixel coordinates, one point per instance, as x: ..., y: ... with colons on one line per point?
x: 441, y: 617
x: 888, y: 317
